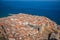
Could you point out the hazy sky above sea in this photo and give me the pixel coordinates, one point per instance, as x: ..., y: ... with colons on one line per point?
x: 30, y: 0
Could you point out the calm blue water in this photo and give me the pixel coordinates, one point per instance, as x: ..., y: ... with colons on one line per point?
x: 42, y: 8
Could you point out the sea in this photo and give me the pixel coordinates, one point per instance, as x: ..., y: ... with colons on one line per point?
x: 49, y: 9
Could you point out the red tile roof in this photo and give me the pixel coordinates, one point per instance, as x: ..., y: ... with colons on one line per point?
x: 19, y: 26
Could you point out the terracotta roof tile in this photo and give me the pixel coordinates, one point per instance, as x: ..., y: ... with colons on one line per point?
x: 19, y: 26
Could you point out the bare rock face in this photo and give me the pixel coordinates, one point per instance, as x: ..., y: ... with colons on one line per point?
x: 28, y: 27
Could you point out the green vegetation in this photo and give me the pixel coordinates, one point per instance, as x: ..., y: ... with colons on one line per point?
x: 1, y: 38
